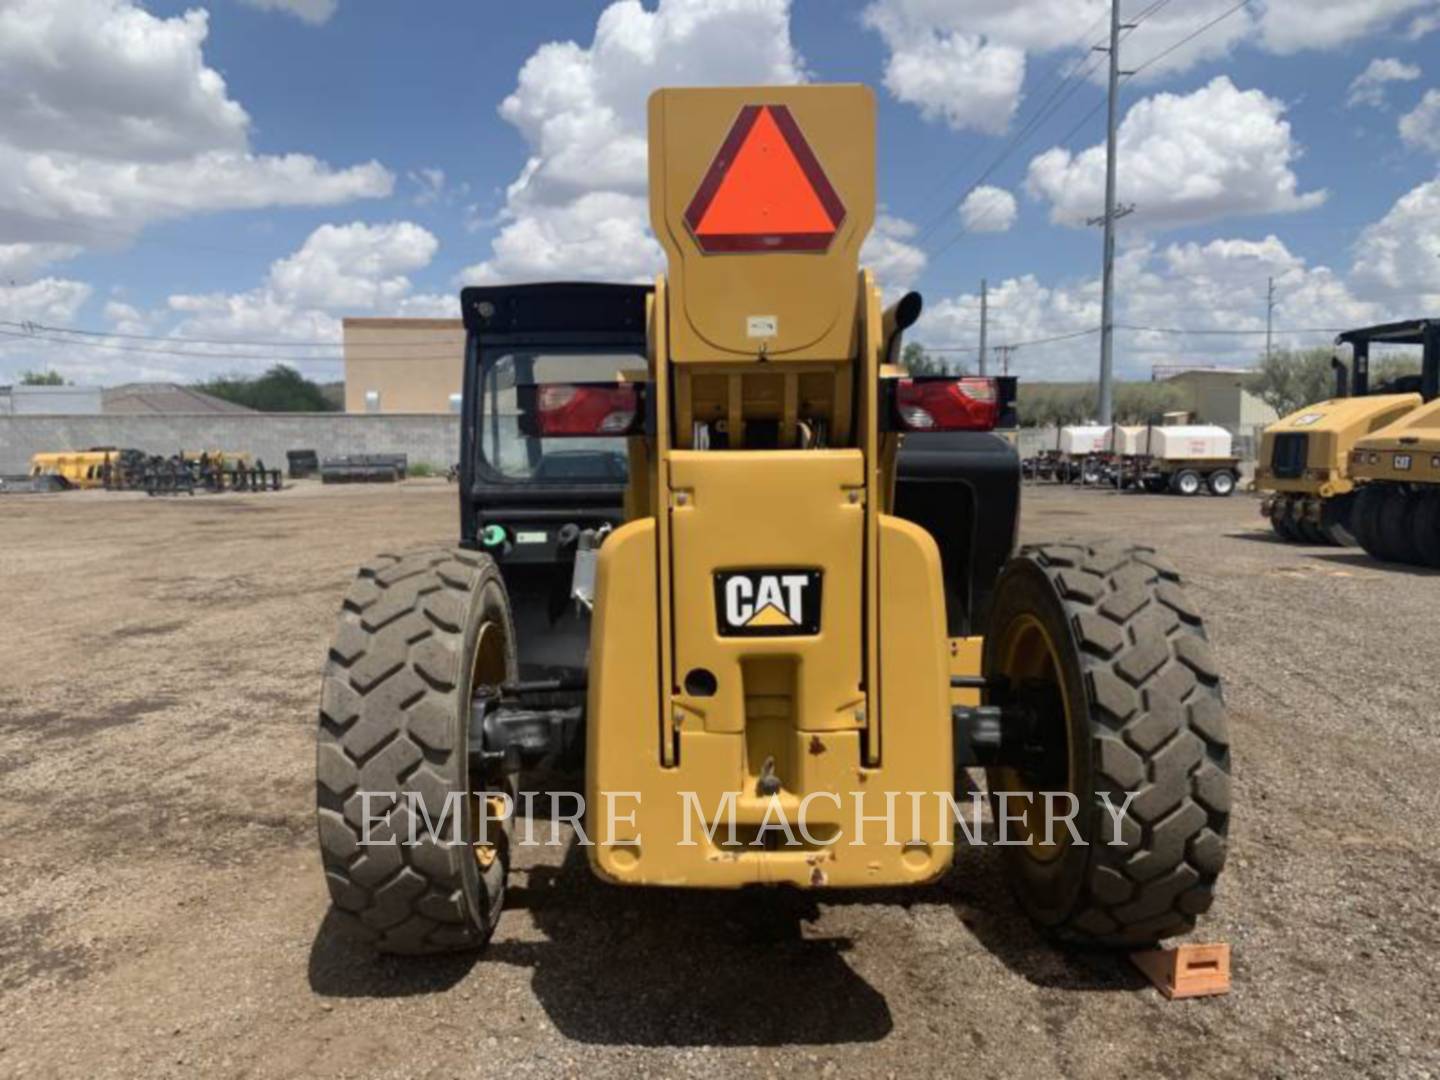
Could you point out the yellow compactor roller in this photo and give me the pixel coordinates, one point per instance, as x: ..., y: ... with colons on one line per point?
x: 1306, y: 459
x: 728, y: 566
x: 1397, y: 515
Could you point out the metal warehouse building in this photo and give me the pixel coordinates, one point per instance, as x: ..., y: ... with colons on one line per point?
x: 1222, y: 396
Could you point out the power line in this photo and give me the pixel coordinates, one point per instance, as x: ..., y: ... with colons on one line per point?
x: 1050, y: 340
x: 963, y: 233
x: 1230, y: 333
x: 1127, y: 28
x: 1079, y: 72
x: 1190, y: 37
x: 43, y: 339
x: 1153, y: 9
x: 1060, y: 82
x: 247, y: 342
x: 1052, y: 104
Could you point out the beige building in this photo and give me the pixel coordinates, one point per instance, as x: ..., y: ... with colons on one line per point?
x: 404, y: 365
x: 1218, y: 396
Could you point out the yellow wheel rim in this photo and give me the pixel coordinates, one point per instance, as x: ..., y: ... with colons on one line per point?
x: 1027, y: 654
x: 488, y: 670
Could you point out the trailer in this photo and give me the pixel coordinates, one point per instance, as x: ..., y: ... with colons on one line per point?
x: 1183, y: 459
x: 1078, y: 456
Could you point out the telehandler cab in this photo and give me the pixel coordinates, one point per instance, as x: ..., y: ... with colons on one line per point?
x: 723, y: 558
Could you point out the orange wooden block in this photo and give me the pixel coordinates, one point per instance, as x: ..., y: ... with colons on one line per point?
x: 1188, y: 970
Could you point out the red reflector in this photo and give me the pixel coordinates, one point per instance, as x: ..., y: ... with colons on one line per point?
x: 948, y: 404
x: 581, y: 409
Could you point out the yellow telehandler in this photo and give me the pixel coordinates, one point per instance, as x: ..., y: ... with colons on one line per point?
x: 759, y: 588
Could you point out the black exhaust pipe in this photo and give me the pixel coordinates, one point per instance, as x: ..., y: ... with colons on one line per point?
x: 1430, y: 372
x: 1360, y: 375
x: 1342, y: 377
x: 898, y: 318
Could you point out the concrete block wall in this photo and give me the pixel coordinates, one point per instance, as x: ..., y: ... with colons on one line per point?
x: 429, y: 439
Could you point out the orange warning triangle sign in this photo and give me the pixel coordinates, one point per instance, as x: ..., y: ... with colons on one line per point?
x: 765, y: 190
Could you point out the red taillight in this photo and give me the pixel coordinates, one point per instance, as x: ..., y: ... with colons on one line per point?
x: 585, y: 409
x: 948, y: 404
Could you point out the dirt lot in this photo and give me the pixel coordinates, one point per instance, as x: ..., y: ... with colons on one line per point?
x: 162, y: 910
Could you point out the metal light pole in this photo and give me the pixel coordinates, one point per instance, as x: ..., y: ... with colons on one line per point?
x: 984, y: 323
x: 1107, y: 302
x: 1270, y: 320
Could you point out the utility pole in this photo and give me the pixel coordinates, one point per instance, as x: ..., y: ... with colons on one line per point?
x: 1270, y: 321
x: 984, y: 321
x: 1003, y: 352
x: 1112, y: 214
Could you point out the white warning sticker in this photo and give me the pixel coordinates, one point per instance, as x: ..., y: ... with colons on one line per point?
x: 762, y: 326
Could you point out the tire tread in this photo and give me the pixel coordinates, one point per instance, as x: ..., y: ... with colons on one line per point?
x: 1158, y: 718
x: 393, y: 668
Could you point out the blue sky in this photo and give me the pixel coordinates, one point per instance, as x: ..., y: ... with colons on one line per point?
x: 254, y: 170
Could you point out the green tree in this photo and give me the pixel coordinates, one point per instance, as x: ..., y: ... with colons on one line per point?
x: 1044, y: 404
x: 915, y: 360
x: 281, y: 389
x: 41, y: 378
x: 1290, y: 379
x: 1138, y: 402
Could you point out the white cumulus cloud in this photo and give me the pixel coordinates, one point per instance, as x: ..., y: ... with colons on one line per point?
x: 1398, y: 257
x: 49, y: 301
x: 579, y: 208
x: 1420, y: 128
x: 113, y: 120
x: 1221, y: 285
x: 355, y: 266
x: 988, y: 210
x: 959, y: 77
x: 23, y: 260
x: 964, y: 61
x: 888, y: 252
x: 314, y: 12
x: 1219, y: 152
x: 1290, y: 26
x: 339, y: 270
x: 1368, y: 88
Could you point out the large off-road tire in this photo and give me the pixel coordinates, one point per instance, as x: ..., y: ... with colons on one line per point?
x: 1335, y: 520
x: 1396, y: 529
x: 1365, y: 519
x: 1103, y: 643
x: 1309, y: 529
x: 1426, y: 529
x: 1280, y: 520
x: 417, y: 636
x: 1295, y: 521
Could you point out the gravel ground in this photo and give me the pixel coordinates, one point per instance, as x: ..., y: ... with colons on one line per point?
x: 162, y: 910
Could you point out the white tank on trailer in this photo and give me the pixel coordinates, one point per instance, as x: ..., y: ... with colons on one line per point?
x: 1186, y: 442
x: 1126, y: 441
x: 1078, y: 440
